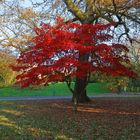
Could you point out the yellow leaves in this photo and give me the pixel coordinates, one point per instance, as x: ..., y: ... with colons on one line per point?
x: 28, y: 13
x: 18, y: 43
x: 6, y: 74
x: 116, y: 2
x: 110, y: 2
x: 3, y: 118
x: 94, y: 7
x: 13, y: 112
x: 6, y: 122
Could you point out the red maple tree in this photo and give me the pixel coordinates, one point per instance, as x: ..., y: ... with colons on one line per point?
x: 67, y: 50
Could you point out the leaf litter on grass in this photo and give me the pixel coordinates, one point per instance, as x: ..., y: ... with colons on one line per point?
x: 101, y: 119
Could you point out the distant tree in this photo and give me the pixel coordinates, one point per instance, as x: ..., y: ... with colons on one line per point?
x: 16, y: 24
x: 7, y: 75
x: 69, y: 50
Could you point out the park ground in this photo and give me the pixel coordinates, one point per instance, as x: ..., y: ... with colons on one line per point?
x: 101, y: 119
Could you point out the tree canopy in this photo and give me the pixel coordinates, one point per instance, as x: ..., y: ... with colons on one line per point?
x: 55, y: 54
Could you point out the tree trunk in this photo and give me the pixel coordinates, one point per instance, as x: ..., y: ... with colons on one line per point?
x: 80, y: 92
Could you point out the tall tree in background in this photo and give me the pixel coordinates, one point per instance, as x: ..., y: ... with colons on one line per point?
x: 17, y: 20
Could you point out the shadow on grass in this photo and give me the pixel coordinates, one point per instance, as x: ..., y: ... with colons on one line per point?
x: 15, y: 125
x: 104, y: 119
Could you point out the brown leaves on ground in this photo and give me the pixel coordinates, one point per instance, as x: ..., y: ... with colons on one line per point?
x: 101, y: 119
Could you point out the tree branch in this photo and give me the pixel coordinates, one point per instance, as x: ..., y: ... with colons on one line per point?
x: 75, y: 10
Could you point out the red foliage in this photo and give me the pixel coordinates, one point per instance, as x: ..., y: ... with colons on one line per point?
x: 56, y: 50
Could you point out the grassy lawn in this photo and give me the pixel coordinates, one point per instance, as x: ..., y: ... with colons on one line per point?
x: 59, y: 89
x: 102, y: 119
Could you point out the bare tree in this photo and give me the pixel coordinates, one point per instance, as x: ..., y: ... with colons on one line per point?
x: 17, y: 20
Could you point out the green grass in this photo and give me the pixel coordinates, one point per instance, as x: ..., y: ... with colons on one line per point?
x: 59, y: 89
